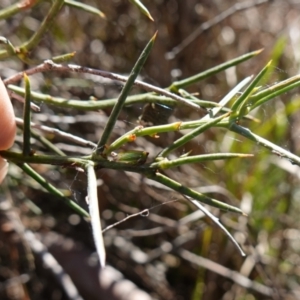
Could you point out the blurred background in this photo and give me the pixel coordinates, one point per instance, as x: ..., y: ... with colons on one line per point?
x: 170, y: 252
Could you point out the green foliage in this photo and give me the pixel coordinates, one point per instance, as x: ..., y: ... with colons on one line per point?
x: 238, y: 116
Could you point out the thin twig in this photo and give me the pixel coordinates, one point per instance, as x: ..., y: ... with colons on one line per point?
x: 57, y: 132
x: 225, y: 272
x: 143, y: 213
x: 33, y: 106
x: 210, y: 23
x: 49, y: 65
x: 40, y: 250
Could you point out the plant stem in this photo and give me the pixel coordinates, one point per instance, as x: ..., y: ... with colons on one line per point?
x: 265, y: 143
x: 43, y: 28
x: 166, y: 164
x: 189, y: 136
x: 49, y: 66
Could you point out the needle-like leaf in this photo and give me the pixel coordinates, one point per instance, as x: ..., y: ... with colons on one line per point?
x: 240, y: 103
x: 176, y: 186
x: 142, y: 8
x: 217, y: 222
x: 192, y: 134
x: 50, y: 188
x: 85, y: 7
x: 166, y: 164
x: 94, y: 213
x: 26, y: 117
x: 196, y: 78
x: 124, y: 93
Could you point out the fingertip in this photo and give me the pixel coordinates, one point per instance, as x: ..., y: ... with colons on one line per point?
x: 3, y: 168
x: 7, y: 119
